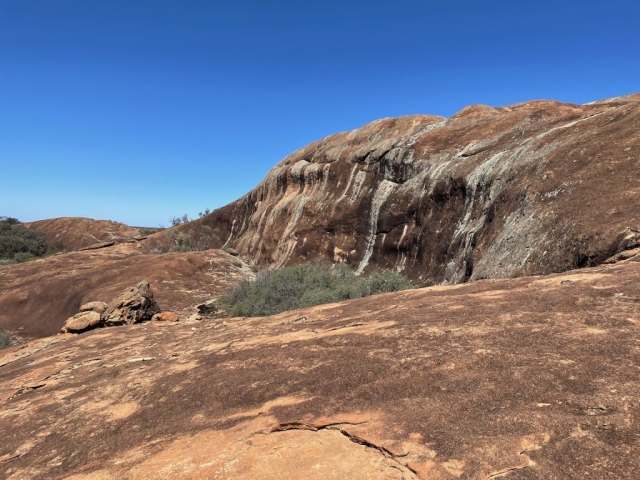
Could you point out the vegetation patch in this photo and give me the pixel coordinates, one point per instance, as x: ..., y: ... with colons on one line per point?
x: 5, y: 339
x: 20, y: 244
x: 303, y: 286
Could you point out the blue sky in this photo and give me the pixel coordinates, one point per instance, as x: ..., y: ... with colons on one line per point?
x: 139, y: 110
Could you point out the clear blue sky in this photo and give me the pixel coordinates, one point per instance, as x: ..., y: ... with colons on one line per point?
x: 138, y: 110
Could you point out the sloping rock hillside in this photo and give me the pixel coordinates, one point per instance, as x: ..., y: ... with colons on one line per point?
x: 532, y: 188
x: 529, y: 378
x: 76, y: 232
x: 37, y: 297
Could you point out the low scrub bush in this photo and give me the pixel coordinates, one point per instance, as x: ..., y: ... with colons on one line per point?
x: 14, y: 238
x: 20, y: 244
x: 5, y: 339
x: 303, y: 286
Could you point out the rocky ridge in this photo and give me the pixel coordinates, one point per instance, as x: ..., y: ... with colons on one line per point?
x: 77, y: 233
x: 532, y: 188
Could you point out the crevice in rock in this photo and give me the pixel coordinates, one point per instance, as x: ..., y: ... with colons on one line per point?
x: 336, y: 426
x: 505, y: 472
x: 17, y: 455
x: 284, y: 427
x: 346, y: 326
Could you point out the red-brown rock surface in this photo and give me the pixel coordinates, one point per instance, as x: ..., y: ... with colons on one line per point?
x: 37, y: 297
x: 529, y: 378
x: 531, y: 188
x: 75, y: 232
x: 165, y: 317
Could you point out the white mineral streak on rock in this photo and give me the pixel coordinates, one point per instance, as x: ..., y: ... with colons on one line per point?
x: 346, y: 189
x: 257, y: 236
x: 435, y: 174
x: 233, y: 224
x: 410, y: 141
x: 361, y: 176
x: 566, y: 125
x: 297, y: 170
x: 294, y: 204
x: 478, y: 180
x: 385, y: 188
x: 401, y: 261
x: 484, y: 184
x: 514, y: 245
x: 325, y: 176
x: 404, y: 234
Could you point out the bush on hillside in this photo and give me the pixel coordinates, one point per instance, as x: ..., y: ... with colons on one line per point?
x: 20, y: 244
x: 5, y: 340
x: 306, y: 285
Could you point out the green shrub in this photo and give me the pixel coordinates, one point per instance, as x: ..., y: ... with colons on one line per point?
x: 306, y: 285
x: 18, y: 243
x: 5, y: 339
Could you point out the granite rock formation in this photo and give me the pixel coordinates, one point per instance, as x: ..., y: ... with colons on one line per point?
x: 532, y: 188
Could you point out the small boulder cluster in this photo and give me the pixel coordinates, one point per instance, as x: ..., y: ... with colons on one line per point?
x: 132, y: 306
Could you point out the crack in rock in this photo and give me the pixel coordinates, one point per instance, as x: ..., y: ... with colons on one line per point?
x: 505, y: 472
x: 284, y: 427
x: 346, y: 326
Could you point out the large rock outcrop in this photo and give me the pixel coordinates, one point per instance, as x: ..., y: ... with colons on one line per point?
x: 531, y: 188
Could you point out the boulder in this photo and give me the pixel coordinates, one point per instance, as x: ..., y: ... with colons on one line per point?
x: 132, y: 306
x: 165, y: 317
x: 98, y: 307
x: 81, y: 322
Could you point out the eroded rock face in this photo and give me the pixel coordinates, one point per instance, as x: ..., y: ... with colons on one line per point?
x: 133, y: 306
x: 532, y: 188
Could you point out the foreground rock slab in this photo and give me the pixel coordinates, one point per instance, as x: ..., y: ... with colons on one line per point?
x: 532, y: 378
